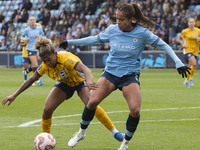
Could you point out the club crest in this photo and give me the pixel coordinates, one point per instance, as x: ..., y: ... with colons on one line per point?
x: 62, y: 74
x: 135, y: 39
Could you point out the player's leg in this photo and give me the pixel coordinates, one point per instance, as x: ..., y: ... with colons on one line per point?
x: 54, y: 99
x: 186, y: 82
x: 25, y: 70
x: 34, y: 64
x: 101, y: 115
x: 26, y: 65
x: 132, y: 95
x: 104, y: 89
x: 192, y: 64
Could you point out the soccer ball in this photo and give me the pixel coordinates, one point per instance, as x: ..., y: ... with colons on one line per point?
x: 44, y: 141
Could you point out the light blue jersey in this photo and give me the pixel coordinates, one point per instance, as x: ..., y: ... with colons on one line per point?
x: 126, y: 48
x: 32, y: 34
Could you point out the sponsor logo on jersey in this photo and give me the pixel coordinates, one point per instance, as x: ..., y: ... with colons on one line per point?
x: 62, y: 74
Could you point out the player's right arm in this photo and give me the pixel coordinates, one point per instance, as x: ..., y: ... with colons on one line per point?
x: 23, y: 87
x: 180, y: 40
x: 24, y: 36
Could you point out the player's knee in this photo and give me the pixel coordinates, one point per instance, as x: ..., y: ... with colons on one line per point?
x: 194, y: 65
x: 47, y: 113
x: 92, y: 105
x: 135, y: 112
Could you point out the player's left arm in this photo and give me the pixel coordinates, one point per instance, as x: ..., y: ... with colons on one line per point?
x: 182, y: 69
x: 23, y: 87
x: 88, y: 75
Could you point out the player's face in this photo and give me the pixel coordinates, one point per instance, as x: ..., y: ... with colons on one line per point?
x: 50, y: 60
x: 123, y: 22
x: 191, y: 23
x: 32, y: 21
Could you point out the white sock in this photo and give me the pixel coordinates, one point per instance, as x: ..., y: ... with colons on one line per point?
x: 125, y: 142
x: 113, y: 131
x: 82, y: 131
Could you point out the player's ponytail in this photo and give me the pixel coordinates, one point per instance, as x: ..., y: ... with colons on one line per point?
x: 133, y: 11
x: 44, y: 46
x: 141, y: 19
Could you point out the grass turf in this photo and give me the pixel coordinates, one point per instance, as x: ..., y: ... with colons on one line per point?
x: 170, y: 114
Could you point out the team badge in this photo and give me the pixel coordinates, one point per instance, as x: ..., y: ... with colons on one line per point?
x: 135, y: 39
x: 195, y: 35
x: 62, y: 74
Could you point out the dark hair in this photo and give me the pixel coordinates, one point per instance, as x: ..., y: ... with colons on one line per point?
x: 44, y: 46
x: 133, y: 10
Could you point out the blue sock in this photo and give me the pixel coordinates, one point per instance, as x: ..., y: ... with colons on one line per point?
x: 87, y: 116
x: 25, y: 75
x: 131, y: 126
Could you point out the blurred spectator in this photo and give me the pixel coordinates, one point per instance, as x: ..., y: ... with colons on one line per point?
x: 94, y: 29
x: 2, y: 17
x: 43, y: 4
x: 40, y: 16
x: 62, y: 13
x: 27, y: 5
x: 47, y: 16
x: 48, y: 31
x: 15, y: 12
x: 90, y: 17
x: 74, y: 48
x: 3, y: 45
x: 24, y: 16
x: 53, y: 4
x: 21, y: 4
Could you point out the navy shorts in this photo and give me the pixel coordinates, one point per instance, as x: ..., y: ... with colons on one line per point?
x: 120, y: 82
x: 31, y: 53
x: 188, y: 55
x: 70, y: 90
x: 26, y: 60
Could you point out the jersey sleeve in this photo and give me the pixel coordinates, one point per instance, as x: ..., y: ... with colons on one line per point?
x: 71, y: 62
x: 24, y: 35
x: 41, y: 69
x: 150, y: 38
x: 182, y: 34
x: 104, y: 36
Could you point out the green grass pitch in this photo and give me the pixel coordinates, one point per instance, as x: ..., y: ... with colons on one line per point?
x: 170, y: 114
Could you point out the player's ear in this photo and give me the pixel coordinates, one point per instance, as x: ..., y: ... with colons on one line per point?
x: 133, y: 20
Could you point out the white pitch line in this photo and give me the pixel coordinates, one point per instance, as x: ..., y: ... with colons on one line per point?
x: 115, y: 122
x: 30, y: 123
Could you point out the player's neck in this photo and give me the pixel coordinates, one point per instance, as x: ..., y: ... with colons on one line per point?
x: 33, y: 26
x: 191, y: 29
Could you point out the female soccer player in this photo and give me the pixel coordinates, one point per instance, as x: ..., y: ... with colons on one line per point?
x: 26, y: 60
x: 127, y: 40
x: 31, y: 33
x: 71, y: 75
x: 189, y: 39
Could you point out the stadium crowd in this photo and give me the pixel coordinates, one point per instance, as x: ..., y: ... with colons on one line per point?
x: 73, y: 19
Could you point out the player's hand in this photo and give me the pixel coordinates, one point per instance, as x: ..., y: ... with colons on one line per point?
x: 198, y: 39
x: 183, y: 71
x: 10, y: 98
x: 63, y: 44
x: 28, y: 39
x: 92, y: 85
x: 184, y: 45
